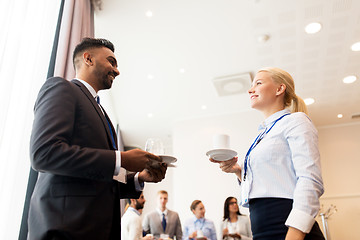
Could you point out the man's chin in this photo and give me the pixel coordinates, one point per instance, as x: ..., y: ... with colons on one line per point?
x: 108, y: 84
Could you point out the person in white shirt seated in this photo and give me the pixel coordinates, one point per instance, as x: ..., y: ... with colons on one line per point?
x: 131, y: 221
x: 234, y: 225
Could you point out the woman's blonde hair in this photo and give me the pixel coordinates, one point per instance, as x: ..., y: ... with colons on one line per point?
x: 280, y: 76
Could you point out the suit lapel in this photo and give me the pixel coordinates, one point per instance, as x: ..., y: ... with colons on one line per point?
x: 169, y: 219
x: 98, y: 110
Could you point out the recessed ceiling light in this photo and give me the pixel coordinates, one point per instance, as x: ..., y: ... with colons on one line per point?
x: 355, y: 47
x: 340, y: 115
x: 181, y: 70
x: 149, y: 14
x: 150, y: 115
x: 203, y: 107
x: 263, y: 38
x: 309, y: 101
x: 349, y: 79
x: 312, y: 28
x: 149, y: 76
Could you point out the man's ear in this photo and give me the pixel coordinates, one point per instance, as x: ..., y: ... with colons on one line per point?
x: 281, y: 89
x: 87, y: 59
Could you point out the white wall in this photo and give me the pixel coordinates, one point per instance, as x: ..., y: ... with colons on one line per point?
x: 197, y: 178
x: 340, y: 151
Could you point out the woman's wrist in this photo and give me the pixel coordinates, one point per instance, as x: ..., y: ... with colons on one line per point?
x: 294, y: 234
x: 238, y: 172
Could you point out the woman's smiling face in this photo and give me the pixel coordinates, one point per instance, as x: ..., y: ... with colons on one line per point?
x: 263, y: 91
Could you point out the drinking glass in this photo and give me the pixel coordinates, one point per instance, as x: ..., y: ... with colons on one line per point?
x: 154, y: 146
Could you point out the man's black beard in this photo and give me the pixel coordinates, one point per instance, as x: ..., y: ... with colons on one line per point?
x: 139, y: 206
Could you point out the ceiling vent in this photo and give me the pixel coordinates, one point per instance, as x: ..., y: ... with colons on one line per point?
x: 232, y: 84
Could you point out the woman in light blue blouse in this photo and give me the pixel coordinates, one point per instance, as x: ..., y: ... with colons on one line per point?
x: 280, y: 176
x: 198, y: 227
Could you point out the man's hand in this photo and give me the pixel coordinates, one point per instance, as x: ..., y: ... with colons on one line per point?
x: 229, y: 166
x: 137, y: 160
x: 153, y: 174
x: 294, y: 234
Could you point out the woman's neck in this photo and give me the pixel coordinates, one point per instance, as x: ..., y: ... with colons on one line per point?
x: 233, y: 217
x: 268, y: 112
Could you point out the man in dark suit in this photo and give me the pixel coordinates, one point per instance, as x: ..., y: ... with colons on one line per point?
x: 163, y: 221
x: 73, y: 147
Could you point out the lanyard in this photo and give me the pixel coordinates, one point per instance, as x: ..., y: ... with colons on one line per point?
x: 257, y: 140
x: 201, y: 223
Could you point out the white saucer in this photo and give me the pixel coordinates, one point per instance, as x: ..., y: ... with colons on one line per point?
x: 167, y: 159
x: 221, y: 154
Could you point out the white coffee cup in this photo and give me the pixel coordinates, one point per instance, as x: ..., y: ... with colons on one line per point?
x: 199, y: 234
x: 221, y: 141
x: 150, y: 235
x: 164, y: 236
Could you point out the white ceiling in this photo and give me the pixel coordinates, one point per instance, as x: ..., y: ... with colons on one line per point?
x: 214, y: 38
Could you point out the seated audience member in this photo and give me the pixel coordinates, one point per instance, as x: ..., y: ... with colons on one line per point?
x: 163, y: 221
x: 198, y: 227
x: 131, y: 221
x: 234, y: 225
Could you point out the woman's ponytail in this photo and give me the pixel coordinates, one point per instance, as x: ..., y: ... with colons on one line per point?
x: 298, y: 105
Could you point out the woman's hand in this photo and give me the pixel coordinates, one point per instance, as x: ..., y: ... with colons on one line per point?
x: 294, y: 234
x: 225, y: 232
x: 235, y: 235
x: 193, y: 235
x: 229, y: 166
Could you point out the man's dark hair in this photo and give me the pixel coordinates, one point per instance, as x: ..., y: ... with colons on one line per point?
x: 88, y: 43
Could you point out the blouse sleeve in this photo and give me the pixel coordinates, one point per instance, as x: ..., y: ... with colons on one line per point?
x: 303, y: 142
x: 213, y: 232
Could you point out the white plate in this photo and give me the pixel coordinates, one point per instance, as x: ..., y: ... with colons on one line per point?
x: 221, y: 154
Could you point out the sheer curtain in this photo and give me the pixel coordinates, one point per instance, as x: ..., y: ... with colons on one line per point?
x: 27, y: 30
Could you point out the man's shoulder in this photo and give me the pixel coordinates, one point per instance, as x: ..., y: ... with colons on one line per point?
x: 58, y: 82
x: 152, y: 214
x: 57, y: 79
x: 130, y: 215
x: 172, y: 212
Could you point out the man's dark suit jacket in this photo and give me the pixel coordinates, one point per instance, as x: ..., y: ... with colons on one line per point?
x: 75, y: 196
